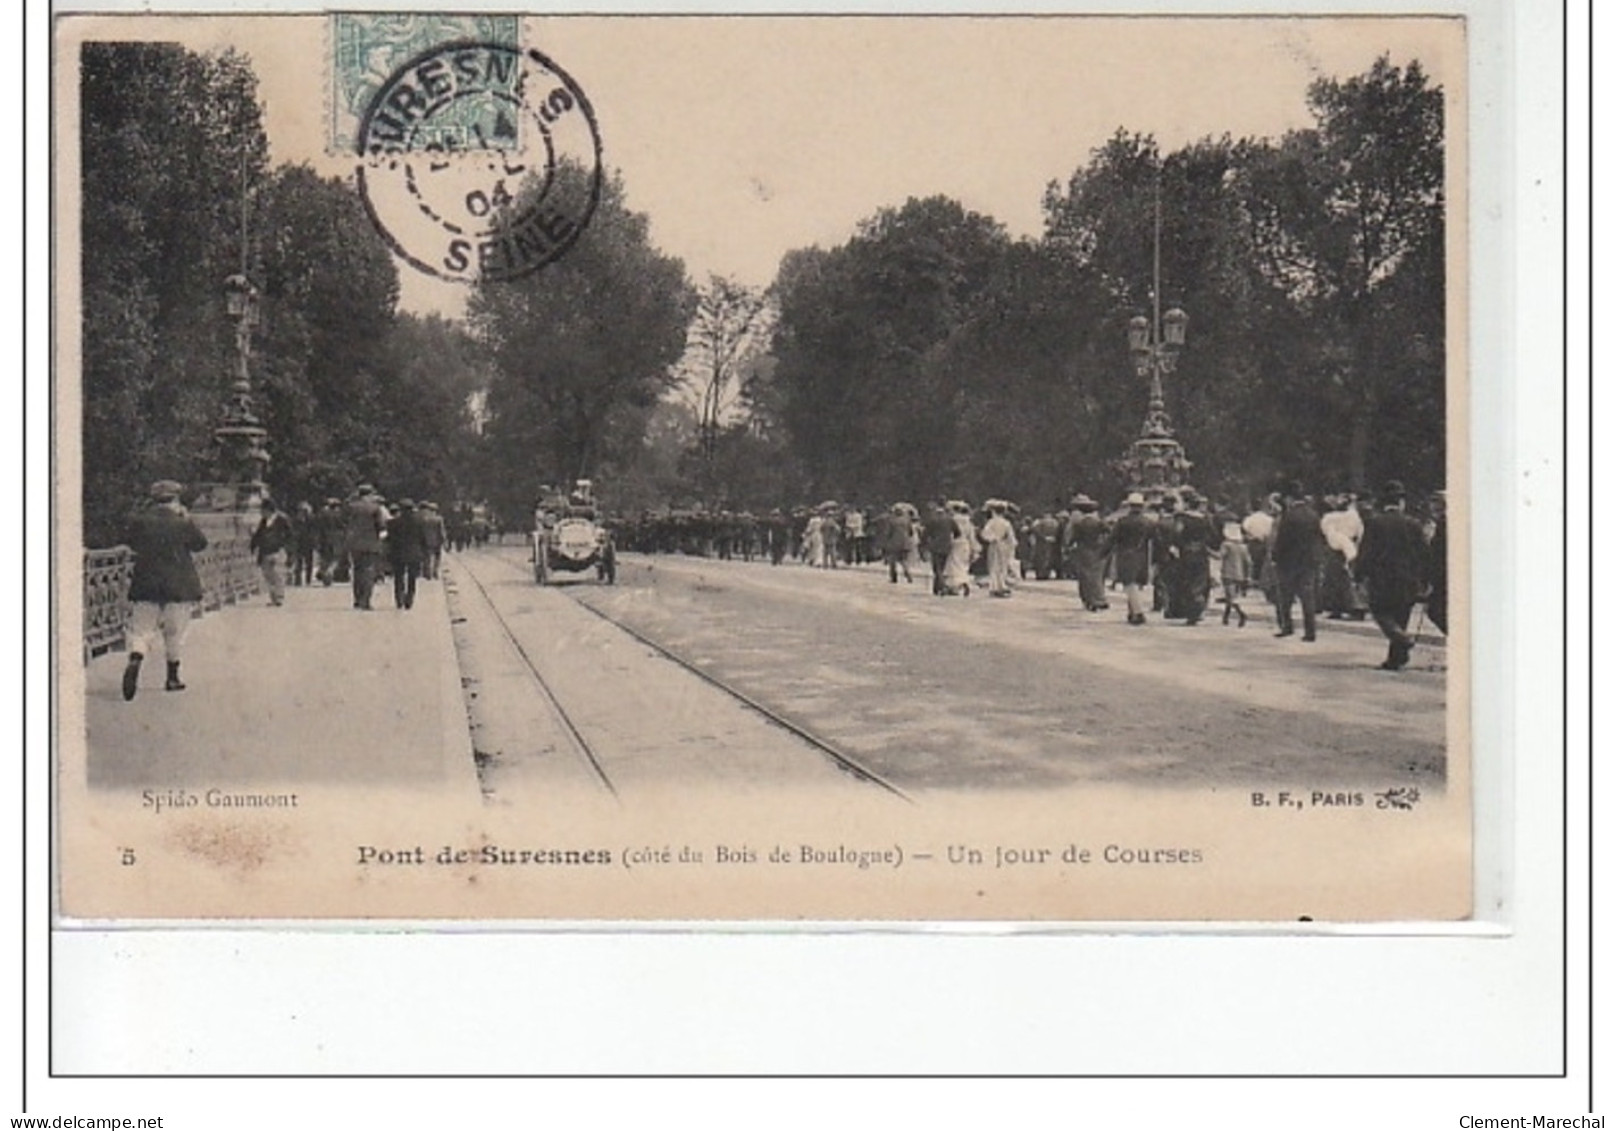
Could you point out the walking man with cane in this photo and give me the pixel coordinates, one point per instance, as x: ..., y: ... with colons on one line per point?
x: 1392, y: 563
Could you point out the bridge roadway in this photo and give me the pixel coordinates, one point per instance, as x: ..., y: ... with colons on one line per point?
x: 1031, y: 692
x: 927, y: 693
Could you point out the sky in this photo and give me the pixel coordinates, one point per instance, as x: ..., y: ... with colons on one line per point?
x: 745, y: 137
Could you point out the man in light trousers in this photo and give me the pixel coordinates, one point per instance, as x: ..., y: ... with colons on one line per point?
x: 165, y: 587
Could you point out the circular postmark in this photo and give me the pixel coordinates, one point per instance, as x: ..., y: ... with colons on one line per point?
x: 479, y: 161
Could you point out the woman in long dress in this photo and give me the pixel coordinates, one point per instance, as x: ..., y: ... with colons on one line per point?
x: 911, y: 549
x: 813, y: 542
x: 998, y: 535
x: 1342, y: 528
x: 956, y: 574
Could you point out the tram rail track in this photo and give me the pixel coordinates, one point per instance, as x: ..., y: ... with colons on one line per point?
x: 585, y: 750
x: 842, y: 760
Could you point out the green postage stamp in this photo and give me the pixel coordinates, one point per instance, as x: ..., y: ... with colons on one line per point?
x: 367, y: 48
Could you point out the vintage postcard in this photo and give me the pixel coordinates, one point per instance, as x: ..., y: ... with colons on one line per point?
x: 731, y: 469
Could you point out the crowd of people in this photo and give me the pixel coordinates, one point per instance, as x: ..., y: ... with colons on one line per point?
x: 1338, y: 555
x: 359, y: 541
x: 1343, y: 555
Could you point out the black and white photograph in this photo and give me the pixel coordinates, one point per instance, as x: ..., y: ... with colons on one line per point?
x: 811, y: 468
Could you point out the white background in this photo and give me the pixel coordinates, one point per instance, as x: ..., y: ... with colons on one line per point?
x: 930, y: 1003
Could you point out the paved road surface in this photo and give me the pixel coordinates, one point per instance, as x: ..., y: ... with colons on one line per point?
x: 314, y: 692
x: 648, y: 724
x: 1034, y: 692
x: 932, y: 694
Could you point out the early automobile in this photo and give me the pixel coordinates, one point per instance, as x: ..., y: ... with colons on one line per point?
x: 568, y: 537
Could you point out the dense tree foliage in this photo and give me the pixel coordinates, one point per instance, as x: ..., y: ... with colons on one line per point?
x: 168, y: 140
x: 580, y: 352
x: 177, y: 196
x: 329, y: 288
x: 1348, y: 219
x: 930, y: 352
x: 860, y: 329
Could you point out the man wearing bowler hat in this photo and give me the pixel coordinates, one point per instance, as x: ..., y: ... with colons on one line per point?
x: 1392, y: 564
x: 1298, y: 549
x: 1193, y: 539
x: 270, y: 542
x: 406, y: 552
x: 165, y: 587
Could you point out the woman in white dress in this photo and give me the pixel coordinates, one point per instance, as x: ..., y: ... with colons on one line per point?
x: 813, y: 542
x: 956, y: 573
x: 998, y: 535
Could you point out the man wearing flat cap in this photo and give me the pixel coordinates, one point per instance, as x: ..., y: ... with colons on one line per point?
x: 1392, y: 564
x: 165, y: 587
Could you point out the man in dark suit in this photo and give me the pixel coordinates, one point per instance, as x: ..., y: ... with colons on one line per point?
x: 406, y: 552
x: 270, y: 542
x: 1165, y: 595
x: 891, y: 529
x: 938, y: 534
x: 1194, y: 537
x: 366, y: 520
x: 432, y: 529
x: 1043, y: 546
x: 1297, y: 553
x: 1134, y: 540
x: 165, y: 587
x: 778, y: 531
x: 1392, y: 564
x: 332, y: 522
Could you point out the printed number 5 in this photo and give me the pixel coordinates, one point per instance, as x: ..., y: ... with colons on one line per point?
x: 128, y: 856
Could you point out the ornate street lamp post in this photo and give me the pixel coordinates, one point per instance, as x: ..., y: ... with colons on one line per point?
x: 241, y: 455
x: 1155, y: 356
x: 1155, y: 463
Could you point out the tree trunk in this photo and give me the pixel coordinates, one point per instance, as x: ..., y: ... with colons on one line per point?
x: 1364, y: 375
x: 1362, y: 437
